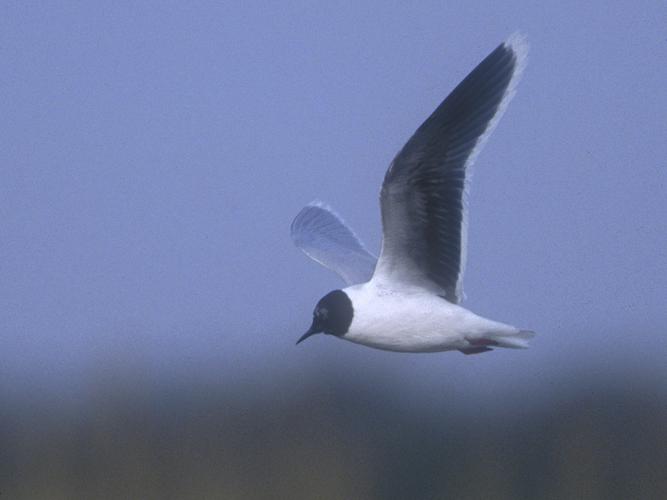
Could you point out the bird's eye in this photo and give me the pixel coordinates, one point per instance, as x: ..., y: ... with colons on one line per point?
x: 323, y: 313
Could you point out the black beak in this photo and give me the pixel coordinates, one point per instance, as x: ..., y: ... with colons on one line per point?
x: 311, y: 331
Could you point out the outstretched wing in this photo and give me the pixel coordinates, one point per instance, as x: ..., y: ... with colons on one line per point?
x: 323, y: 236
x: 422, y: 198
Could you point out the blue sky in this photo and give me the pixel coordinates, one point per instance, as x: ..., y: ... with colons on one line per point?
x: 154, y: 154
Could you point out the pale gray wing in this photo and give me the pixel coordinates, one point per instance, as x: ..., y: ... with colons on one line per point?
x: 323, y: 236
x: 422, y: 198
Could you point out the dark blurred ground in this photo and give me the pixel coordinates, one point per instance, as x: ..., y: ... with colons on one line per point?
x: 129, y: 439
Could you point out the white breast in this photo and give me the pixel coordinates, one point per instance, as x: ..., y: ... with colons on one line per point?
x: 409, y: 320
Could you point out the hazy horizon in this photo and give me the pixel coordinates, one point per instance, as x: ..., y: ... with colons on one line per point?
x: 153, y: 156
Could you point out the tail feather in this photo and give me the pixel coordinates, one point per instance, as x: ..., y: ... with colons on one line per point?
x: 517, y: 340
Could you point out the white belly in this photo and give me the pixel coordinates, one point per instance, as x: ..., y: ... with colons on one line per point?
x: 411, y: 320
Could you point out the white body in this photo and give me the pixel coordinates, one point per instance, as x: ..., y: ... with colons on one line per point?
x: 416, y: 320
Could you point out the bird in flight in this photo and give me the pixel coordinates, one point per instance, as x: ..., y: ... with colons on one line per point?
x: 407, y: 300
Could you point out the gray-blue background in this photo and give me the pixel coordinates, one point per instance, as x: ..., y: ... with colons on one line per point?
x: 153, y: 154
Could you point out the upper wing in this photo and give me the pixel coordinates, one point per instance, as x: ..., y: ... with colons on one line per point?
x: 325, y: 238
x: 422, y: 198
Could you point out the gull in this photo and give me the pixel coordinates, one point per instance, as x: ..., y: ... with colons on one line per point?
x: 407, y: 300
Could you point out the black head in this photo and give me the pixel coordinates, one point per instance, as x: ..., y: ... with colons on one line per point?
x: 332, y: 315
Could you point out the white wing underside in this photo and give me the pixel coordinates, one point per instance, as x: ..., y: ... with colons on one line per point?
x: 323, y: 236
